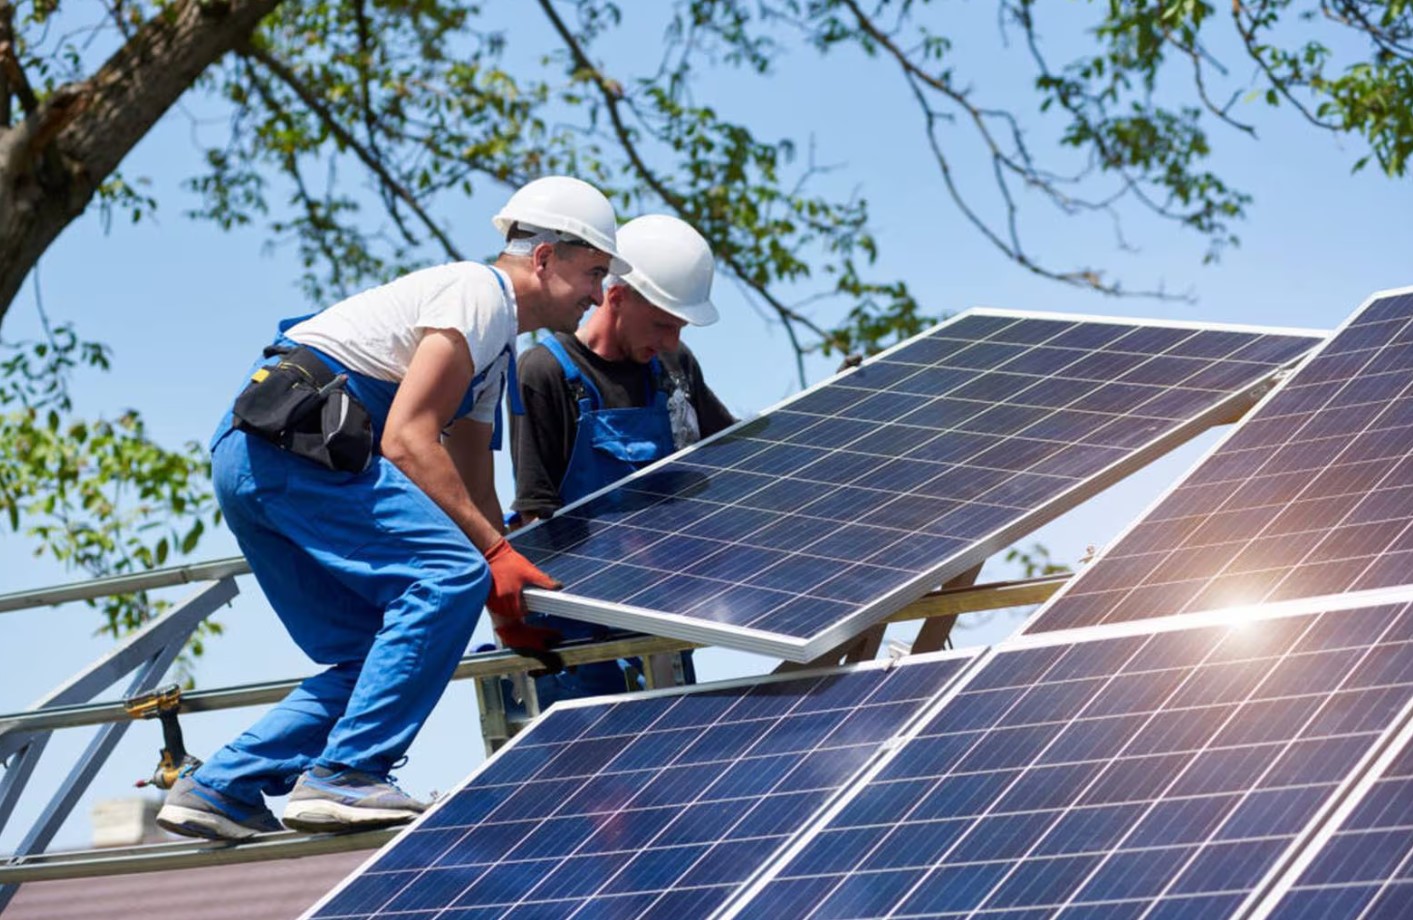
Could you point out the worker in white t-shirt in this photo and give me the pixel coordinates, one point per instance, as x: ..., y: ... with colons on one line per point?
x: 355, y: 470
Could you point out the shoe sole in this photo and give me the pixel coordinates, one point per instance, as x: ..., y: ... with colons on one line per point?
x: 188, y: 822
x: 321, y: 816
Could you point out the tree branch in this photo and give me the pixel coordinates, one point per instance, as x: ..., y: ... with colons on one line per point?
x: 1196, y: 54
x: 13, y: 81
x: 306, y: 200
x: 1348, y: 13
x: 1248, y: 39
x: 612, y: 94
x: 366, y: 47
x: 366, y: 156
x: 85, y: 129
x: 917, y: 78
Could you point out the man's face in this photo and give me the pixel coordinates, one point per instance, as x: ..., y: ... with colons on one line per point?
x: 643, y: 330
x: 573, y: 279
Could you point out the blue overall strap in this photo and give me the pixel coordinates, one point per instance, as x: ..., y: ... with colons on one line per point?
x: 285, y: 325
x: 572, y: 375
x: 655, y: 373
x: 468, y: 402
x: 512, y: 384
x: 509, y: 382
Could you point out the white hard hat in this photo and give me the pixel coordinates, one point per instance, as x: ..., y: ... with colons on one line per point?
x: 672, y: 266
x: 570, y: 206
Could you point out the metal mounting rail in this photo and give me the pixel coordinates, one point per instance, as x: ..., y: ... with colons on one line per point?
x: 236, y: 565
x: 142, y: 658
x: 498, y: 663
x: 993, y: 595
x: 503, y: 662
x: 214, y: 570
x: 56, y: 712
x: 155, y: 857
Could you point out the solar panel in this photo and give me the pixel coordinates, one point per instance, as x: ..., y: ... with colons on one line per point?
x: 1161, y: 773
x: 1364, y: 868
x: 790, y: 533
x: 660, y: 803
x: 1311, y: 495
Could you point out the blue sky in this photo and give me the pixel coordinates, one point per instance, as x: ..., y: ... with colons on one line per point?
x: 185, y: 306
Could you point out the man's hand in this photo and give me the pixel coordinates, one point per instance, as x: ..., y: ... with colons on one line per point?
x: 511, y: 574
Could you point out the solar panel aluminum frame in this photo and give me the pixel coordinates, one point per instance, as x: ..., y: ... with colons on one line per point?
x: 970, y: 656
x: 656, y: 622
x: 1270, y: 394
x: 1286, y: 873
x: 1304, y: 845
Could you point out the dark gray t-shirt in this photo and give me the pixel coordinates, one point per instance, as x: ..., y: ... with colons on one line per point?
x: 542, y: 440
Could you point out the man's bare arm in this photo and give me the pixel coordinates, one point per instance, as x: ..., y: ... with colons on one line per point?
x: 469, y: 444
x: 436, y: 381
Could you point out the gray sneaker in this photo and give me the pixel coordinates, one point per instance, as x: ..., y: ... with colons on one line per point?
x: 325, y: 801
x: 194, y: 810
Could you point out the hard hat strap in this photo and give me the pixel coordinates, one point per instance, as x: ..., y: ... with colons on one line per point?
x: 525, y: 245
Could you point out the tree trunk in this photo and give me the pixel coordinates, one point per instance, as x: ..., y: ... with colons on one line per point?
x: 53, y: 161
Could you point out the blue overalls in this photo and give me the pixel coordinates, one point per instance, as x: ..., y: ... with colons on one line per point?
x: 368, y: 575
x: 608, y: 445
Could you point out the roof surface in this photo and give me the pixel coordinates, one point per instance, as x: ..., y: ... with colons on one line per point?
x: 276, y: 890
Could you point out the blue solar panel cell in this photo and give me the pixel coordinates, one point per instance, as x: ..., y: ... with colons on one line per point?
x: 611, y: 809
x: 1162, y: 774
x: 1366, y: 868
x: 922, y: 455
x: 1308, y: 497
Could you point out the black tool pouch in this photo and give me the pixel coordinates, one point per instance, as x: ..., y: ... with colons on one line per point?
x: 301, y: 406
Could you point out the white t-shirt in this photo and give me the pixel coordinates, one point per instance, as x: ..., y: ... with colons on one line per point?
x: 376, y: 332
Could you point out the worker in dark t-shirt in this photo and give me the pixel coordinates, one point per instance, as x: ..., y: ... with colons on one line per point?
x: 623, y: 391
x: 620, y: 393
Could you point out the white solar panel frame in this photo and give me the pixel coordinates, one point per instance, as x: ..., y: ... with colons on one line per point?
x: 1283, y: 876
x: 1277, y: 880
x: 1303, y: 845
x: 1267, y: 397
x: 762, y: 642
x: 972, y: 657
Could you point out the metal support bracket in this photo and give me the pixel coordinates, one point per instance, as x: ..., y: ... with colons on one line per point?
x: 150, y: 652
x: 23, y: 734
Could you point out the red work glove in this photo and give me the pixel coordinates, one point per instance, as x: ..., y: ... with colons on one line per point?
x: 512, y: 573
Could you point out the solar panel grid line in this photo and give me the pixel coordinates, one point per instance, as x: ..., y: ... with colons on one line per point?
x: 1368, y: 504
x: 997, y: 797
x: 841, y: 539
x: 796, y: 397
x: 824, y: 673
x: 1315, y: 822
x: 1275, y: 897
x: 1323, y: 814
x: 1134, y: 571
x: 865, y: 486
x: 766, y: 642
x: 980, y: 406
x: 1013, y: 315
x: 1321, y: 627
x: 1345, y: 444
x: 741, y: 903
x: 744, y: 754
x: 594, y: 722
x: 860, y: 443
x: 1117, y: 542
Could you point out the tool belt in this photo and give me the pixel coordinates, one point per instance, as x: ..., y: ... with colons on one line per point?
x: 302, y: 406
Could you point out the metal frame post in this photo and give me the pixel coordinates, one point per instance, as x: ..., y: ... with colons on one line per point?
x: 23, y: 734
x: 150, y: 652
